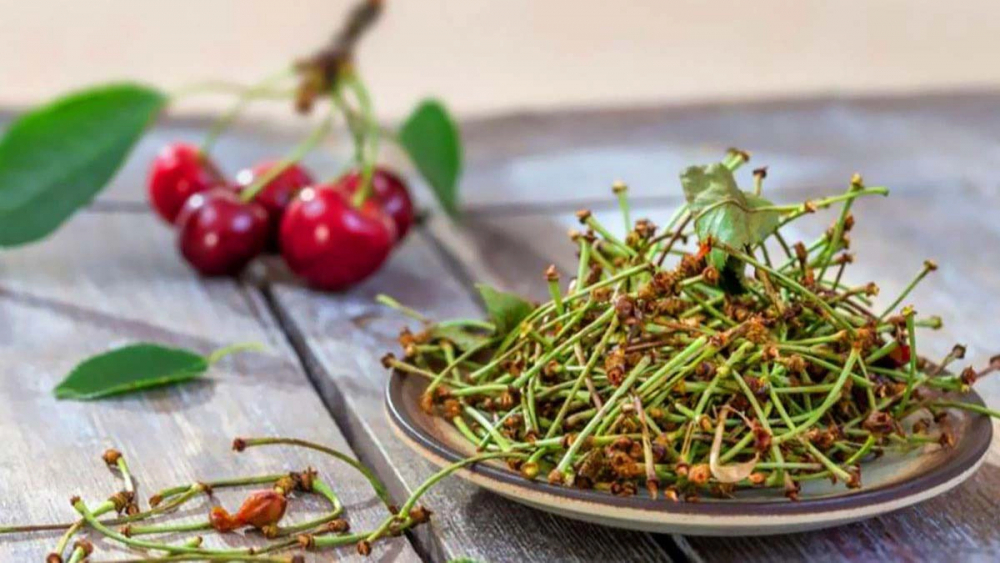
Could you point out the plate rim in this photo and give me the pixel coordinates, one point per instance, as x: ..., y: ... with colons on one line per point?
x: 953, y: 471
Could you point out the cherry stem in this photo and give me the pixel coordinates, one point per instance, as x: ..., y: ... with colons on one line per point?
x: 430, y: 482
x: 392, y: 303
x: 376, y: 483
x: 369, y: 153
x: 296, y: 155
x: 246, y: 96
x: 210, y: 557
x: 228, y: 350
x: 81, y: 507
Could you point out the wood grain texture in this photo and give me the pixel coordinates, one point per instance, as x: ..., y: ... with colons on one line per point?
x: 564, y: 159
x: 561, y: 160
x: 343, y: 337
x: 108, y: 279
x: 891, y: 239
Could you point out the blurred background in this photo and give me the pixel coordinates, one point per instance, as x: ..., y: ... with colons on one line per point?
x: 488, y: 56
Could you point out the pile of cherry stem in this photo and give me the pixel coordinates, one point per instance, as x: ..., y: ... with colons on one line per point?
x: 131, y: 526
x: 642, y: 373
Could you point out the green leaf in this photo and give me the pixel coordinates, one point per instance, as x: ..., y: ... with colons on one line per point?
x: 131, y: 368
x: 431, y: 138
x: 462, y: 339
x: 505, y: 310
x: 56, y: 158
x: 724, y: 212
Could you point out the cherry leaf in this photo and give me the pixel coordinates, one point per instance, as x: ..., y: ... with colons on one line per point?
x: 56, y: 158
x: 724, y: 212
x: 505, y: 310
x: 462, y: 338
x: 432, y: 141
x: 135, y: 367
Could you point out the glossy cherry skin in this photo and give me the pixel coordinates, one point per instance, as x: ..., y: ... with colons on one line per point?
x: 177, y: 173
x: 218, y: 234
x: 390, y: 191
x: 277, y: 194
x: 330, y: 243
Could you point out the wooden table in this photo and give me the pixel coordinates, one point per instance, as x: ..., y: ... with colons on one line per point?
x: 111, y: 276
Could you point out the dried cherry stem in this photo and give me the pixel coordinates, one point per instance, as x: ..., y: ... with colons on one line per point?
x: 239, y: 444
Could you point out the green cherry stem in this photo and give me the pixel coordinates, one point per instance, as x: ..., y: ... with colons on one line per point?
x: 239, y: 444
x: 228, y: 350
x: 426, y: 485
x: 337, y: 508
x: 297, y: 154
x: 592, y: 425
x: 168, y: 493
x: 93, y: 522
x: 371, y: 136
x: 912, y: 376
x: 245, y: 97
x: 210, y: 557
x: 929, y: 266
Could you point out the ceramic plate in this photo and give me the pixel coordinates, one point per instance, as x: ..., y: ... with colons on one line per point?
x: 889, y: 483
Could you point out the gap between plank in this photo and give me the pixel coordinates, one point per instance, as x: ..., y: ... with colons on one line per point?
x: 425, y: 544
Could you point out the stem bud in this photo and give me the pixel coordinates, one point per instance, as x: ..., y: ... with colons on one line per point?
x: 239, y: 444
x: 111, y: 456
x: 338, y: 526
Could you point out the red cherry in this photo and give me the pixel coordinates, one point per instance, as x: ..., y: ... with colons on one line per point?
x: 218, y: 234
x: 178, y: 172
x: 277, y: 194
x: 391, y: 193
x: 332, y: 244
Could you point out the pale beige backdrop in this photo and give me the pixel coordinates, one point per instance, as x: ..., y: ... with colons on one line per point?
x: 493, y: 55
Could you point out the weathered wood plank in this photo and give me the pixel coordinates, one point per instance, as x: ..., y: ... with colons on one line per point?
x: 343, y: 336
x: 891, y: 239
x: 569, y: 158
x: 108, y: 279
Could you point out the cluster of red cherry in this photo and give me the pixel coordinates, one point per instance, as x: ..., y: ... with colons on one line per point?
x: 326, y: 234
